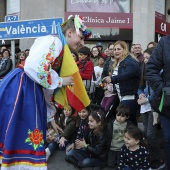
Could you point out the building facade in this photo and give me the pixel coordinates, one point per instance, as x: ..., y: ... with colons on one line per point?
x: 141, y: 27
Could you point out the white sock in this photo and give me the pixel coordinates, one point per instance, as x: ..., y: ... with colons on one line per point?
x: 48, y: 153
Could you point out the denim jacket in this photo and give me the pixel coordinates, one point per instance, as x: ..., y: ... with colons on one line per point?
x: 148, y: 91
x: 128, y: 77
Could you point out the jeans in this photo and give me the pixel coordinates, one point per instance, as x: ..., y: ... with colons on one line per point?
x: 150, y: 133
x: 165, y: 122
x: 52, y: 146
x: 75, y: 154
x: 87, y: 161
x: 133, y: 106
x: 63, y: 147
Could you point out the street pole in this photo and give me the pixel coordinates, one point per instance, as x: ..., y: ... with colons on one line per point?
x: 13, y: 52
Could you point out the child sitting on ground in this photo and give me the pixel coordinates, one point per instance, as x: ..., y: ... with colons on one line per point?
x: 93, y: 151
x: 67, y: 122
x: 133, y: 154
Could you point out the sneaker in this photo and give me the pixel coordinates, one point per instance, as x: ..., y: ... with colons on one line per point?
x: 71, y: 160
x: 157, y: 164
x: 48, y: 153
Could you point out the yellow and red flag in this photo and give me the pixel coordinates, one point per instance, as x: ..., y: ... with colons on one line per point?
x: 75, y: 95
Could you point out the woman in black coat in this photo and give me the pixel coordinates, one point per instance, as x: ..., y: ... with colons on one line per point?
x: 5, y: 63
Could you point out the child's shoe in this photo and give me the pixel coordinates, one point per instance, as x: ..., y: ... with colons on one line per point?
x: 48, y: 153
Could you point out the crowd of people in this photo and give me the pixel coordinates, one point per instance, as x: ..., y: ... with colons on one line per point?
x: 120, y: 84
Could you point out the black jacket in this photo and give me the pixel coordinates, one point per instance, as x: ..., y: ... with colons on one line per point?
x: 128, y: 77
x: 159, y: 61
x: 98, y: 145
x: 6, y: 68
x: 69, y: 128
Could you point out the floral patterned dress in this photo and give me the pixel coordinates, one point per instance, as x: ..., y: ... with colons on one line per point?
x: 25, y: 101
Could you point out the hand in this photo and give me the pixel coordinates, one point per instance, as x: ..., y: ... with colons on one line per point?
x: 141, y: 95
x: 68, y: 81
x: 56, y: 127
x: 107, y: 79
x: 70, y: 147
x: 62, y: 142
x: 80, y: 143
x: 142, y: 100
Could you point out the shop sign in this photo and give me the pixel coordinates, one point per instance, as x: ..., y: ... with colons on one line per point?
x: 105, y: 20
x: 162, y: 27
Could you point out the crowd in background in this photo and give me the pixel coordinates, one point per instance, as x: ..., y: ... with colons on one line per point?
x: 116, y: 83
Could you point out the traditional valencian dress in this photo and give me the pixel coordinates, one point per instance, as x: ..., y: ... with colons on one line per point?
x: 24, y: 102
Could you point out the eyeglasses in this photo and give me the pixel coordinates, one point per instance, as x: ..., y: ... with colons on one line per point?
x: 111, y: 49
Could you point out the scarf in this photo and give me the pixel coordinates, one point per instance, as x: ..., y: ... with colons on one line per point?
x: 2, y: 62
x: 81, y: 64
x: 81, y: 129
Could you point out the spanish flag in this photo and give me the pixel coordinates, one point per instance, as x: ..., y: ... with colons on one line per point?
x: 75, y: 95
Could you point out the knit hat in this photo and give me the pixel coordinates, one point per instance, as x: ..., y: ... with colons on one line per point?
x: 99, y: 44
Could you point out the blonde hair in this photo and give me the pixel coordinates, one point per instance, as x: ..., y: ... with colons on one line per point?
x: 68, y: 24
x: 124, y: 54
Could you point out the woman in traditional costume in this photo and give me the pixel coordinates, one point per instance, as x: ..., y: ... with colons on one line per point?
x: 26, y: 95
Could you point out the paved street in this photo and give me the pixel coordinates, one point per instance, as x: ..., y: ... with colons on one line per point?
x: 57, y: 162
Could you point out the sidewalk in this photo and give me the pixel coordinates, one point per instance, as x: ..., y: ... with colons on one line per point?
x: 57, y: 162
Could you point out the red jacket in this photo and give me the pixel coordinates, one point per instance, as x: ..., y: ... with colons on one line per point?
x: 86, y: 71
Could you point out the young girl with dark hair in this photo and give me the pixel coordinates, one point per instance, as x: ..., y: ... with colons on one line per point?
x: 81, y: 131
x: 93, y: 151
x: 133, y: 154
x: 67, y: 122
x: 84, y: 64
x: 75, y: 56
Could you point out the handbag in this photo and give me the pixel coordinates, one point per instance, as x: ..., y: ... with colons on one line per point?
x: 165, y: 100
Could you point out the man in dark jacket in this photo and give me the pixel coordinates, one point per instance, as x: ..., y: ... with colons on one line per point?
x: 138, y: 53
x: 158, y: 76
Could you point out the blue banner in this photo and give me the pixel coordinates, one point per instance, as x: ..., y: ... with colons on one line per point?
x: 29, y: 28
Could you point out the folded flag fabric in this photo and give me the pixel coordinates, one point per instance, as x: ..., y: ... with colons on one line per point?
x: 75, y: 95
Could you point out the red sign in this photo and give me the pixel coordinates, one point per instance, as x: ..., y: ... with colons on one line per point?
x: 162, y: 27
x: 105, y: 20
x: 159, y: 15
